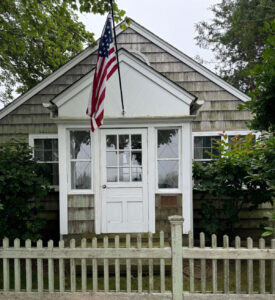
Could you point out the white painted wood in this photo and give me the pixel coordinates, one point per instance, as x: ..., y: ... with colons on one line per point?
x: 147, y: 93
x: 186, y: 167
x: 40, y: 282
x: 17, y: 268
x: 176, y: 247
x: 6, y: 268
x: 63, y: 180
x: 50, y: 269
x: 28, y: 268
x: 61, y: 269
x: 151, y: 178
x: 124, y: 204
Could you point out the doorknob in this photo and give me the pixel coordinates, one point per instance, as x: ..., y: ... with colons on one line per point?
x: 104, y: 186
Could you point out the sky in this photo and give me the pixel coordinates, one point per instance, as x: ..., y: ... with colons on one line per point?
x: 173, y: 21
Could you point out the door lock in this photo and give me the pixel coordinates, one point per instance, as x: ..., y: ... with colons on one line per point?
x: 104, y: 186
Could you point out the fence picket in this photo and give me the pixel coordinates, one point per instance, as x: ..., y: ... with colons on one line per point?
x: 203, y: 265
x: 214, y: 266
x: 117, y: 266
x: 250, y: 268
x: 273, y: 269
x: 128, y: 265
x: 139, y: 245
x: 238, y: 266
x: 106, y: 267
x: 50, y: 269
x: 40, y: 283
x: 262, y: 268
x: 162, y: 264
x: 191, y: 263
x: 61, y: 269
x: 17, y: 269
x: 72, y: 268
x: 83, y: 268
x: 28, y: 245
x: 226, y: 266
x: 6, y: 267
x: 151, y: 268
x: 95, y: 286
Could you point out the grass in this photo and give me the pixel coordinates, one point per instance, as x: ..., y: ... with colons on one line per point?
x: 145, y: 279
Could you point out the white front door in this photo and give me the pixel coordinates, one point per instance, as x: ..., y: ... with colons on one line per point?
x: 124, y: 180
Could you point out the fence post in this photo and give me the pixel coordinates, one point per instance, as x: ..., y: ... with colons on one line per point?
x: 176, y: 247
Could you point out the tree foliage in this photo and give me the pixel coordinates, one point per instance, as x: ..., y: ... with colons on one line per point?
x: 262, y: 103
x: 236, y: 37
x: 242, y: 176
x: 37, y: 37
x: 22, y: 188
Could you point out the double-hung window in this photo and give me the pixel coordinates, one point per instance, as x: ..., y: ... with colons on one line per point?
x: 168, y: 158
x: 45, y: 150
x: 80, y: 160
x: 204, y: 146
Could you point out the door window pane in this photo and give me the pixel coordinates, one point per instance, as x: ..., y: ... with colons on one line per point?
x: 136, y: 158
x: 136, y: 141
x: 124, y: 174
x: 80, y: 144
x: 168, y: 143
x: 124, y: 158
x: 112, y: 175
x: 111, y: 142
x: 81, y: 175
x: 124, y: 142
x: 136, y: 174
x: 111, y: 158
x: 167, y: 174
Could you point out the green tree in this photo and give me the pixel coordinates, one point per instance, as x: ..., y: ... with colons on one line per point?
x: 22, y: 188
x: 236, y: 37
x: 242, y: 177
x: 37, y: 37
x: 262, y: 103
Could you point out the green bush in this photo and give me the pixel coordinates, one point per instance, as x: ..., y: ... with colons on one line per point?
x: 22, y: 188
x: 241, y: 176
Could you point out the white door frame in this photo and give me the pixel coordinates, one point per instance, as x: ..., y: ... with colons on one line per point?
x: 143, y: 184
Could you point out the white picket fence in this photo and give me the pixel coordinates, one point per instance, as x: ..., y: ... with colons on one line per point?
x: 41, y: 273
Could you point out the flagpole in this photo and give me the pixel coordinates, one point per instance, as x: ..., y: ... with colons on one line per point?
x: 119, y: 77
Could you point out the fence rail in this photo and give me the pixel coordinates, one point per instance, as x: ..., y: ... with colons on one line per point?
x: 133, y: 269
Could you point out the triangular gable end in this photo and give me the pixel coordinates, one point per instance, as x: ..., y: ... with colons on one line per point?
x: 146, y: 94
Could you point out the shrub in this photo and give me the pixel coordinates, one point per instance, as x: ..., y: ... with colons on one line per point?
x: 241, y: 176
x: 22, y: 188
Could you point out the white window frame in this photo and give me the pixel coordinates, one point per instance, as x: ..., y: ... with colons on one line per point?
x: 170, y: 190
x: 44, y: 136
x: 218, y: 133
x: 71, y: 191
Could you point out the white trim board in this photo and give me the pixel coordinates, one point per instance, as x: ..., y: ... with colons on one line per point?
x: 147, y: 34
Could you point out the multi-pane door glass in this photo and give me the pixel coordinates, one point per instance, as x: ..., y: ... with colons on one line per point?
x: 124, y: 157
x: 80, y: 155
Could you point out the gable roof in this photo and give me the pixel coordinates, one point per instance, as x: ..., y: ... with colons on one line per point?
x: 88, y: 51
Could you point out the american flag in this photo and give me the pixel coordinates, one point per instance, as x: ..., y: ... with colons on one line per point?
x: 105, y: 67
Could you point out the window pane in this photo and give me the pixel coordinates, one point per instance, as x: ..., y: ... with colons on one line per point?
x: 124, y: 158
x: 136, y: 174
x: 55, y: 174
x: 168, y: 174
x: 48, y: 155
x: 198, y: 142
x: 55, y: 149
x: 111, y: 142
x: 124, y: 174
x: 48, y: 144
x: 124, y: 142
x: 111, y: 158
x: 80, y: 144
x: 168, y: 143
x: 39, y: 144
x: 81, y: 175
x: 112, y: 175
x: 207, y: 141
x: 136, y: 158
x: 206, y: 154
x: 198, y: 153
x: 39, y: 155
x: 136, y: 141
